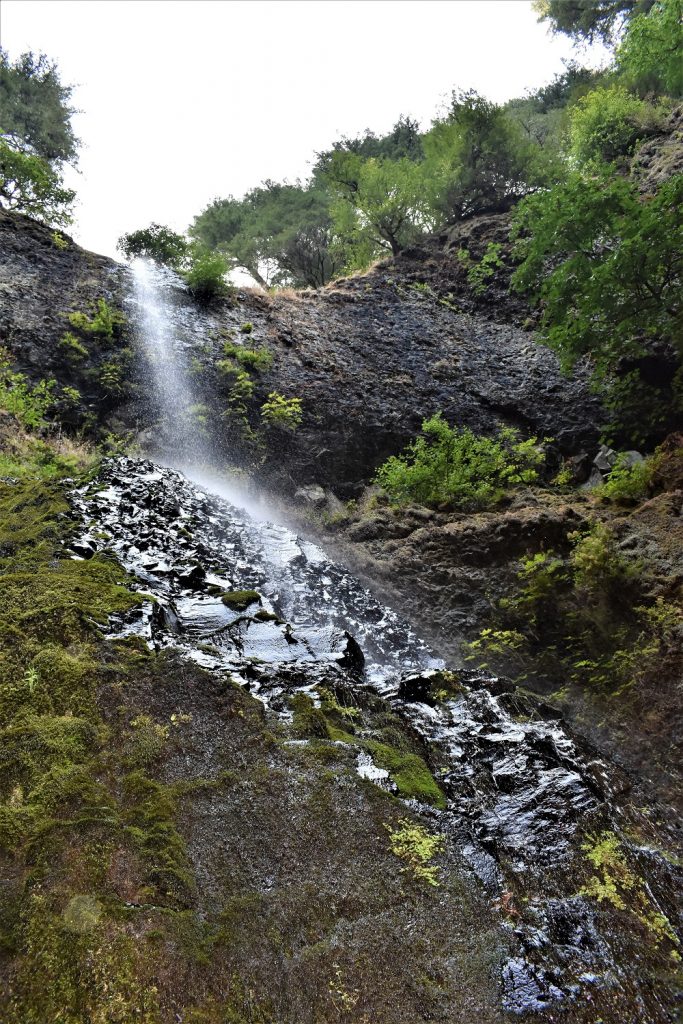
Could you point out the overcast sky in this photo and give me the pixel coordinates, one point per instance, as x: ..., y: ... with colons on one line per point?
x: 185, y: 101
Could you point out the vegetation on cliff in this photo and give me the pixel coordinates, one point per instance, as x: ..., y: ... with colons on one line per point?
x: 36, y: 138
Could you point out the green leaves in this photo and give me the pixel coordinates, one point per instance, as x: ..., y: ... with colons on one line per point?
x: 36, y: 138
x: 157, y: 243
x: 649, y: 57
x: 606, y: 266
x: 30, y: 185
x: 458, y: 467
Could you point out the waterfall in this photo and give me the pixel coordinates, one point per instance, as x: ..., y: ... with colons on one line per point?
x: 180, y: 434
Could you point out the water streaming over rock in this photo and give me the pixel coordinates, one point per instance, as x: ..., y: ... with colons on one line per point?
x: 250, y: 598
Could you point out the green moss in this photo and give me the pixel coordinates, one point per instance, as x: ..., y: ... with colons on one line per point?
x: 264, y: 616
x: 414, y: 845
x: 150, y: 822
x: 617, y: 884
x: 410, y: 773
x: 240, y: 600
x: 308, y: 720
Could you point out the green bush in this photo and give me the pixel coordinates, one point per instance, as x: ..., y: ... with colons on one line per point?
x: 608, y: 122
x: 458, y: 467
x: 279, y: 411
x: 28, y: 403
x: 105, y: 323
x: 649, y: 56
x: 604, y: 264
x: 628, y: 484
x: 205, y: 277
x: 252, y: 358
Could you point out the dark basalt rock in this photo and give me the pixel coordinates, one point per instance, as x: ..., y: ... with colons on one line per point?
x: 521, y: 793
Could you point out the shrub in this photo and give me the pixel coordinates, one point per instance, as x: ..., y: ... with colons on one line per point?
x: 283, y: 412
x: 205, y: 277
x: 28, y: 403
x: 251, y: 358
x: 105, y: 323
x: 608, y: 122
x: 628, y: 484
x: 478, y: 274
x: 458, y: 467
x: 605, y: 265
x: 72, y: 347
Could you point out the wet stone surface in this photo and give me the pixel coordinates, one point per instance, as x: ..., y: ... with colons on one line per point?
x: 252, y: 600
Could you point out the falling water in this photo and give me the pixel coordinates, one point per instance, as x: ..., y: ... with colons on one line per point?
x: 179, y: 437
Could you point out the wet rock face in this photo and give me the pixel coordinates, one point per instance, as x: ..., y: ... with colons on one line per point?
x: 251, y: 600
x: 40, y: 284
x: 370, y: 357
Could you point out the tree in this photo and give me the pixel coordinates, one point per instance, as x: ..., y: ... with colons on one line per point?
x: 606, y: 265
x: 650, y: 56
x: 478, y: 158
x: 36, y: 138
x: 157, y: 243
x: 378, y: 206
x: 543, y: 113
x: 35, y: 115
x: 279, y: 233
x: 404, y: 140
x: 590, y: 20
x: 29, y: 185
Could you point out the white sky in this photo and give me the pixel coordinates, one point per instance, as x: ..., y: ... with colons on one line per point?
x: 185, y: 101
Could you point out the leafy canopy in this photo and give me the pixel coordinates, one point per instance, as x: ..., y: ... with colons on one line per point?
x: 650, y: 56
x: 158, y: 243
x: 35, y: 111
x: 29, y: 185
x: 36, y: 138
x: 378, y: 206
x: 478, y: 158
x: 589, y: 20
x: 459, y: 468
x: 606, y: 265
x: 278, y: 233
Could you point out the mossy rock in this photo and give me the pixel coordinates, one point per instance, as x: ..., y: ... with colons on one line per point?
x: 264, y: 616
x: 240, y: 600
x: 309, y: 722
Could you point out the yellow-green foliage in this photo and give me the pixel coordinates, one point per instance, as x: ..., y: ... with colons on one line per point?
x: 72, y: 347
x: 59, y: 241
x: 627, y: 485
x: 259, y: 359
x: 448, y: 465
x: 617, y: 884
x: 609, y: 121
x: 279, y: 411
x: 105, y: 321
x: 27, y: 403
x: 417, y: 847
